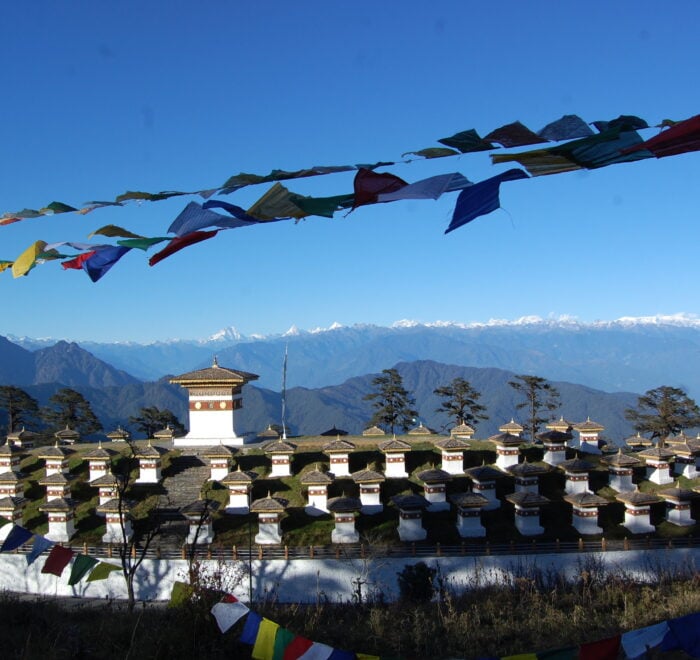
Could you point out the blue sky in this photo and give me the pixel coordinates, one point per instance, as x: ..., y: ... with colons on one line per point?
x: 100, y: 98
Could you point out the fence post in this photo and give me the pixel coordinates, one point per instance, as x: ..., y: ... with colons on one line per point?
x: 558, y: 545
x: 183, y: 553
x: 488, y: 548
x: 311, y: 552
x: 133, y: 552
x: 580, y: 544
x: 603, y: 544
x: 438, y: 549
x: 286, y: 552
x: 413, y: 549
x: 109, y: 551
x: 462, y: 548
x: 626, y: 544
x: 234, y: 551
x: 158, y: 554
x: 85, y: 551
x: 362, y: 550
x: 337, y: 552
x: 260, y: 552
x: 209, y: 552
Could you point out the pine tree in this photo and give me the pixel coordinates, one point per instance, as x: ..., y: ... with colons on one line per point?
x: 664, y: 411
x: 392, y: 403
x: 67, y: 407
x: 541, y: 397
x: 20, y: 407
x: 151, y: 419
x: 460, y: 400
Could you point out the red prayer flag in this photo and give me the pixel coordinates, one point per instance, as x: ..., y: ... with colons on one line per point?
x: 369, y: 185
x: 605, y: 649
x: 180, y: 242
x: 679, y: 139
x: 297, y: 647
x: 58, y: 559
x: 77, y: 262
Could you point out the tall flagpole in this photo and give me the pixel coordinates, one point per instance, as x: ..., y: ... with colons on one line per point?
x: 284, y: 394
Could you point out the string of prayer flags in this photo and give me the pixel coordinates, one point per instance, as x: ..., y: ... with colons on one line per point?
x: 467, y: 142
x: 235, y: 211
x: 636, y: 643
x: 243, y: 179
x: 4, y: 265
x: 58, y: 559
x: 317, y: 651
x: 283, y: 639
x: 81, y: 565
x: 480, y: 199
x: 514, y: 135
x: 296, y: 648
x: 569, y: 127
x: 180, y: 242
x: 195, y: 217
x: 604, y: 649
x: 17, y: 537
x: 114, y: 231
x: 143, y: 243
x: 40, y: 545
x: 431, y: 188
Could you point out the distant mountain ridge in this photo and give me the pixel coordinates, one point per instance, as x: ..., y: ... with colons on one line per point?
x: 627, y: 354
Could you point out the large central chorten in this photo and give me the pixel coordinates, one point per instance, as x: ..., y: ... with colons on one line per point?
x: 214, y: 397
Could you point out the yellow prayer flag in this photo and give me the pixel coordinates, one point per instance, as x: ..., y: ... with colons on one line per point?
x: 25, y: 262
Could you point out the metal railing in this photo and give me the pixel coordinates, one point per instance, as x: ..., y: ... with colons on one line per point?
x: 366, y: 551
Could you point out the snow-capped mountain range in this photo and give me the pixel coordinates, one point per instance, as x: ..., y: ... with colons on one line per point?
x: 626, y: 354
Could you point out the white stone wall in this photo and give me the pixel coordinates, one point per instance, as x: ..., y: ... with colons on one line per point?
x: 305, y: 579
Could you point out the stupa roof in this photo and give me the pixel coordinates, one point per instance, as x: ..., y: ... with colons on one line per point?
x: 462, y: 429
x: 469, y: 500
x: 58, y: 505
x: 589, y: 426
x: 105, y: 480
x: 239, y: 477
x: 11, y: 450
x: 620, y: 460
x: 421, y: 429
x: 119, y: 435
x: 484, y: 473
x: 555, y: 437
x: 269, y: 504
x: 67, y: 435
x: 638, y: 440
x: 393, y: 446
x: 656, y: 453
x: 576, y: 465
x: 112, y: 506
x: 434, y: 476
x: 8, y: 503
x: 586, y: 499
x: 452, y: 443
x: 167, y: 433
x: 410, y: 502
x: 269, y: 432
x: 677, y: 494
x: 215, y: 375
x: 218, y: 451
x: 527, y: 469
x: 100, y: 452
x: 506, y: 439
x: 279, y: 447
x: 54, y: 451
x: 199, y: 508
x: 525, y: 499
x: 344, y: 504
x: 149, y: 451
x: 55, y: 479
x: 21, y: 435
x: 338, y: 446
x: 315, y: 477
x: 367, y: 476
x: 562, y: 425
x: 373, y: 430
x: 637, y: 498
x: 511, y: 427
x: 9, y: 478
x: 688, y: 448
x: 333, y: 432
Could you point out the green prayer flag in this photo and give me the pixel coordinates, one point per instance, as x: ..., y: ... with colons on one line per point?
x: 102, y: 571
x: 180, y: 594
x: 323, y: 206
x: 143, y: 243
x: 149, y: 197
x: 467, y: 141
x: 283, y: 639
x: 81, y: 565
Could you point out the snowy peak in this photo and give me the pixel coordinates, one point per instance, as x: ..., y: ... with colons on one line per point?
x: 229, y: 334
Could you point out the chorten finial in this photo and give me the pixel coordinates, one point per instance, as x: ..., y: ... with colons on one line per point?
x: 216, y: 362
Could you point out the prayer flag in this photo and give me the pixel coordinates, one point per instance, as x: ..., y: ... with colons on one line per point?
x: 180, y: 593
x: 369, y: 185
x: 342, y: 655
x: 297, y: 647
x: 76, y: 263
x: 142, y: 243
x: 283, y: 639
x: 236, y: 211
x: 431, y: 188
x: 317, y: 651
x: 514, y: 135
x: 604, y: 649
x: 568, y: 127
x: 481, y: 198
x: 467, y: 141
x: 276, y: 203
x: 432, y: 152
x: 114, y: 231
x: 684, y: 633
x: 98, y: 264
x: 58, y: 559
x: 195, y: 217
x: 637, y: 642
x: 81, y: 565
x: 365, y: 656
x: 40, y: 545
x: 57, y: 207
x: 102, y: 571
x: 180, y: 242
x: 27, y: 260
x: 250, y: 629
x: 18, y: 536
x: 265, y: 641
x: 228, y: 613
x: 4, y: 265
x: 678, y: 139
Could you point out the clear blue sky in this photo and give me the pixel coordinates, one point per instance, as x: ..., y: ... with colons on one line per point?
x: 100, y: 98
